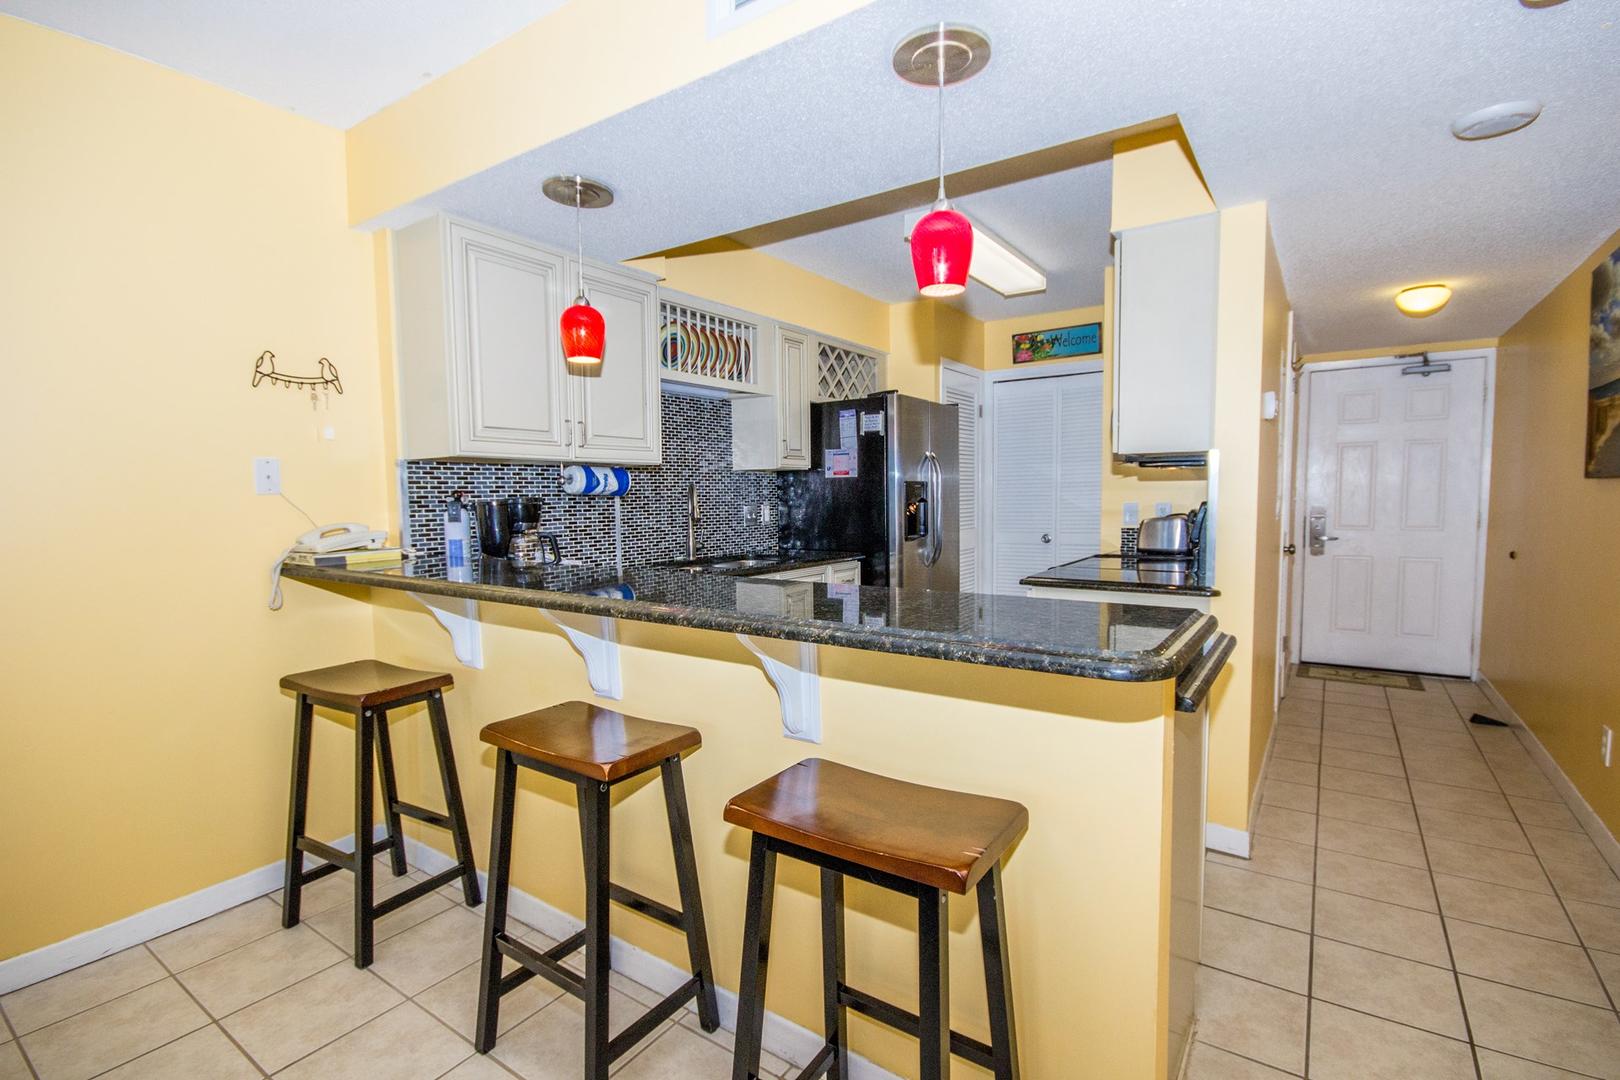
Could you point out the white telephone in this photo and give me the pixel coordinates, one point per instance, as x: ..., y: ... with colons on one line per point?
x: 342, y: 536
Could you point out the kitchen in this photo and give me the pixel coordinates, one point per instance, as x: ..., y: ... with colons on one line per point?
x: 962, y: 466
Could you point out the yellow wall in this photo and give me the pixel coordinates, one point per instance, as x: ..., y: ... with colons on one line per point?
x: 161, y: 233
x: 998, y: 335
x: 1551, y: 617
x: 1432, y: 346
x: 581, y: 64
x: 1156, y: 179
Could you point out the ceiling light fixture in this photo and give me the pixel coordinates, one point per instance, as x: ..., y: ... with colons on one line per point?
x: 1421, y: 301
x: 1493, y: 120
x: 942, y: 243
x: 995, y: 263
x: 584, y: 333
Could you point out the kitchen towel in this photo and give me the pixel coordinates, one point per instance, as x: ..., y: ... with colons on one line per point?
x: 589, y: 480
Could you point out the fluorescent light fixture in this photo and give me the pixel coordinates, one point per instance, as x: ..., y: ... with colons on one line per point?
x: 1421, y: 301
x: 995, y: 263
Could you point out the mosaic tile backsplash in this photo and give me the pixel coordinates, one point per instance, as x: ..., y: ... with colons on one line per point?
x: 697, y: 449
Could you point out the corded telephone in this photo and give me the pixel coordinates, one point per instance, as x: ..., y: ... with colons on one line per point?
x: 342, y: 536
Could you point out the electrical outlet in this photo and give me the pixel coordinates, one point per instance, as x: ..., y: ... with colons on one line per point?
x: 1608, y: 745
x: 266, y: 476
x: 1133, y: 515
x: 767, y: 513
x: 1161, y: 509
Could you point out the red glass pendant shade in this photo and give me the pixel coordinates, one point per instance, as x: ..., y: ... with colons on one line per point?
x: 941, y: 249
x: 584, y: 333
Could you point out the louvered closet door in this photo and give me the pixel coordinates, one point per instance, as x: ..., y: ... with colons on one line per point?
x: 965, y: 391
x: 1047, y: 475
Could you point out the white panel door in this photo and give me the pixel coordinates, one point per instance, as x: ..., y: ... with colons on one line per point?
x: 1047, y: 475
x: 1392, y: 486
x: 616, y: 418
x: 966, y: 390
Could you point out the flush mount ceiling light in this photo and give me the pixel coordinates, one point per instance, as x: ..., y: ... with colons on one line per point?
x: 584, y: 333
x: 1420, y: 301
x: 1494, y: 120
x: 995, y: 262
x: 942, y: 242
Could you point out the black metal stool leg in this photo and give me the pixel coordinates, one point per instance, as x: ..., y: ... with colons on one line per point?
x: 755, y: 960
x: 933, y: 987
x: 594, y: 802
x: 364, y: 740
x: 390, y: 793
x: 998, y: 975
x: 835, y: 1014
x: 686, y: 876
x: 293, y: 891
x: 454, y: 808
x: 500, y: 874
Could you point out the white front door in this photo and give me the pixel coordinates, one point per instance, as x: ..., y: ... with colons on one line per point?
x: 1047, y: 475
x: 966, y: 388
x: 1392, y: 505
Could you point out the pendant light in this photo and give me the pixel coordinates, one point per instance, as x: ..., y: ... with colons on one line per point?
x: 584, y: 333
x: 942, y: 242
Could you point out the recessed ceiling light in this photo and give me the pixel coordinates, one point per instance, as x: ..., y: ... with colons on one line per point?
x: 1420, y: 301
x: 1494, y: 120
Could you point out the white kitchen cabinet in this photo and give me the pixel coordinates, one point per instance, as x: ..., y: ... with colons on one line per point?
x: 773, y: 431
x: 1166, y: 288
x: 845, y: 573
x: 842, y: 573
x: 481, y: 373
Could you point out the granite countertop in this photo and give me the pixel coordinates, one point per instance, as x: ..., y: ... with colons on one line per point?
x: 1119, y: 573
x: 1126, y: 643
x: 762, y: 562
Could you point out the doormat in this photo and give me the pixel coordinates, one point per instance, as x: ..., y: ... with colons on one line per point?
x: 1363, y: 676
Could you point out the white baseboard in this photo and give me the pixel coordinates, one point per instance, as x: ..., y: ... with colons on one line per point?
x: 1601, y: 837
x: 81, y: 949
x: 1227, y: 840
x: 783, y: 1038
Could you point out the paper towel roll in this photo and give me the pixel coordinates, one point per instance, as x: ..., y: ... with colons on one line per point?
x: 590, y: 480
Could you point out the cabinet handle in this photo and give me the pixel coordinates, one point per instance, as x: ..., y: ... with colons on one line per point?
x: 568, y: 433
x: 582, y: 433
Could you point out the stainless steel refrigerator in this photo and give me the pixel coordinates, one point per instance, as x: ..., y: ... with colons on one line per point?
x: 882, y: 483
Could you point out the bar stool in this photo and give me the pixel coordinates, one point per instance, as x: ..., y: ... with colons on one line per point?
x: 922, y: 841
x: 595, y: 749
x: 369, y: 689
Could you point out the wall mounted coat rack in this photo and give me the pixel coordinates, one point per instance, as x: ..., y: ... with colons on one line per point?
x: 326, y: 377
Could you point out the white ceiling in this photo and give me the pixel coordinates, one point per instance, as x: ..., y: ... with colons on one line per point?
x: 1336, y: 113
x: 335, y: 61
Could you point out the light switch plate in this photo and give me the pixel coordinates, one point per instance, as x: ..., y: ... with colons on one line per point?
x: 1161, y: 509
x: 1133, y: 515
x: 266, y: 476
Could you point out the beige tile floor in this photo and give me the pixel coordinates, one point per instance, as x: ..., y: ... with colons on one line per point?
x: 237, y: 996
x: 1420, y: 905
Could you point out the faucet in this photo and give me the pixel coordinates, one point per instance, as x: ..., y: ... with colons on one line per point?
x: 694, y: 514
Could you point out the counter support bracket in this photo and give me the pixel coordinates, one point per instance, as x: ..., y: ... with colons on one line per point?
x: 798, y: 682
x: 596, y: 639
x: 460, y: 618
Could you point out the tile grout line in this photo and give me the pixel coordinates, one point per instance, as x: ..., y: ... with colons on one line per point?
x: 1445, y: 933
x: 22, y: 1050
x: 1310, y: 944
x: 213, y: 1020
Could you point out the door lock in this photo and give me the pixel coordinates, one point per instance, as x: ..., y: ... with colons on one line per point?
x: 1046, y: 538
x: 1317, y: 523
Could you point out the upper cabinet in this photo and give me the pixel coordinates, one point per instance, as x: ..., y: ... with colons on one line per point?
x: 1166, y: 282
x: 481, y: 372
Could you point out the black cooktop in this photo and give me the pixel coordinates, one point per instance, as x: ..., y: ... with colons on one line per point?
x: 1149, y: 573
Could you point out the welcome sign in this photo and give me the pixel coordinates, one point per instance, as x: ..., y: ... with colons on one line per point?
x: 1033, y: 345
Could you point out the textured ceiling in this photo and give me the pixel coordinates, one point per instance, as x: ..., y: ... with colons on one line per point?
x: 335, y: 61
x: 1335, y: 113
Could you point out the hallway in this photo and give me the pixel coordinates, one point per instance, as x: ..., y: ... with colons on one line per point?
x: 1420, y: 904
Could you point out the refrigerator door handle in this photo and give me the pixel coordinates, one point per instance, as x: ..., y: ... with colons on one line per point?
x: 935, y: 478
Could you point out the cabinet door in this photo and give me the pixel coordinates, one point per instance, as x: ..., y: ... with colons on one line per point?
x: 848, y: 573
x: 1166, y: 282
x: 616, y: 418
x: 794, y: 375
x: 505, y: 301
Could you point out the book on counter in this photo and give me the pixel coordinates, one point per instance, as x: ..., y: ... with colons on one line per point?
x: 364, y: 557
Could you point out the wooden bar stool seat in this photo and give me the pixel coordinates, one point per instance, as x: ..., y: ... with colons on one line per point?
x: 594, y: 749
x: 922, y: 841
x: 369, y: 689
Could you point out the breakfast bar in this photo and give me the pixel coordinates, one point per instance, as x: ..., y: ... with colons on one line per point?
x: 1090, y: 715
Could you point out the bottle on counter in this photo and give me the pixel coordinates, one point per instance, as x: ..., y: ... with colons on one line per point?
x: 457, y: 529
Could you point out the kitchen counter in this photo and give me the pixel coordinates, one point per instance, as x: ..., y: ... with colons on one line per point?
x: 1126, y: 643
x: 762, y: 563
x: 1117, y: 573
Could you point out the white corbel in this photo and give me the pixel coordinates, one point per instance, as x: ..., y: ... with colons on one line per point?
x: 460, y: 617
x: 596, y: 639
x: 793, y: 668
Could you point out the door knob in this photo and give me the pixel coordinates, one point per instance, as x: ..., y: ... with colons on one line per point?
x: 1289, y: 550
x: 1046, y: 538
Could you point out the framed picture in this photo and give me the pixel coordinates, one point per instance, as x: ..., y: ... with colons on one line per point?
x: 1084, y: 340
x: 1603, y: 375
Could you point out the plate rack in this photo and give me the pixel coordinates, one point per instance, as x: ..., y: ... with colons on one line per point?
x: 706, y: 349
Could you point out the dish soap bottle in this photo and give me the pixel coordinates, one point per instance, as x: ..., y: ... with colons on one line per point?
x: 457, y: 530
